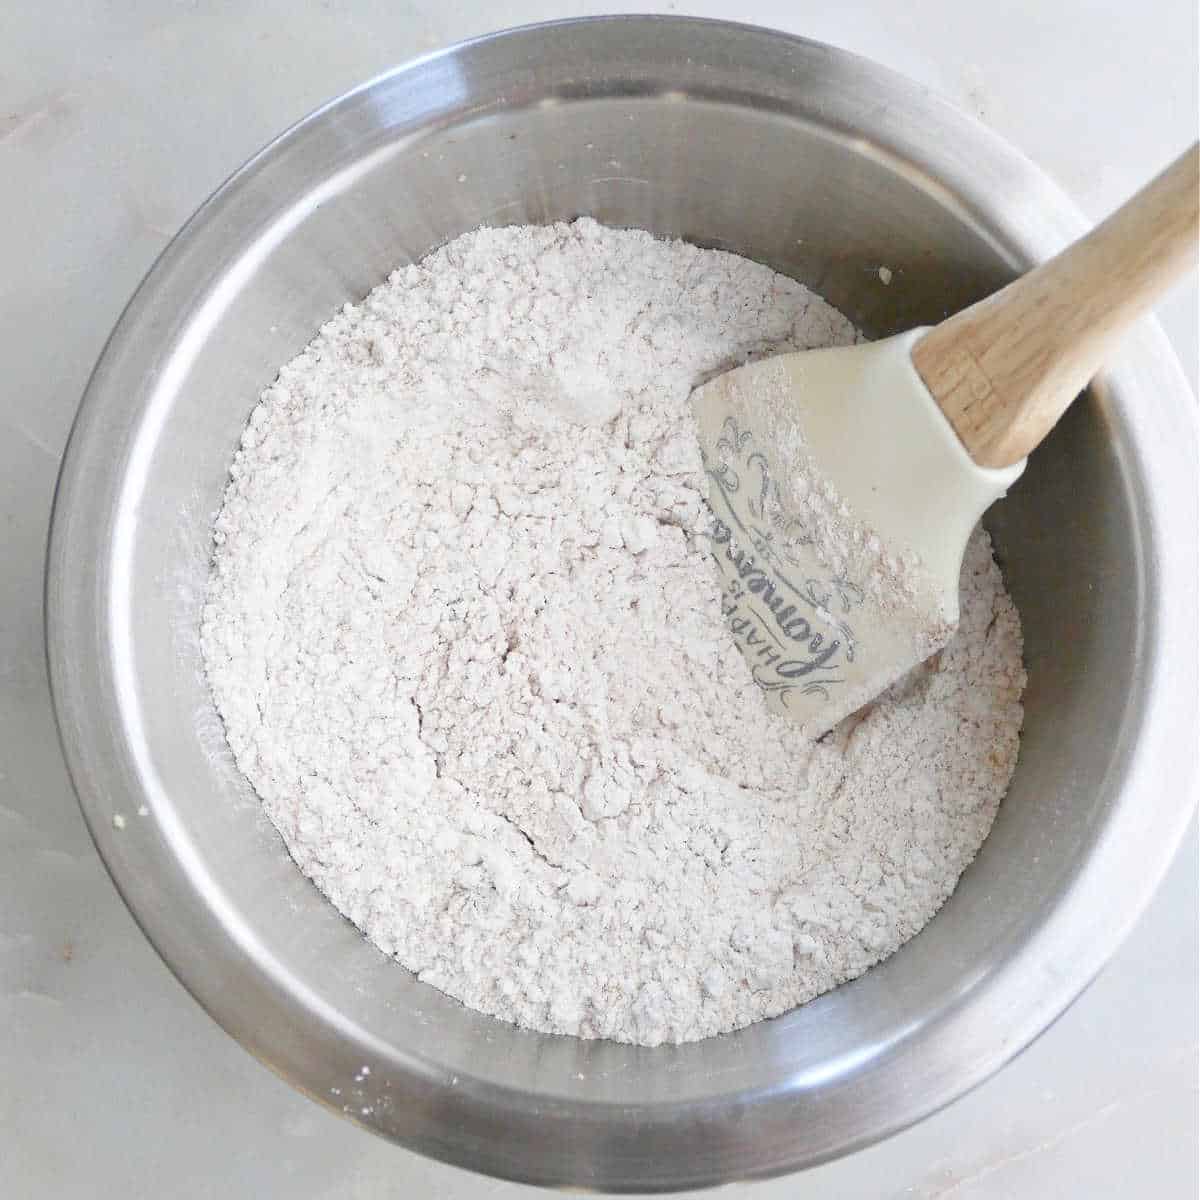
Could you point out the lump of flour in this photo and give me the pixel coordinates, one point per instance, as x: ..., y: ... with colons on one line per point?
x: 470, y: 653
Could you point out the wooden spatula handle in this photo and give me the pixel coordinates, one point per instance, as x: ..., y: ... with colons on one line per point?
x: 1005, y: 369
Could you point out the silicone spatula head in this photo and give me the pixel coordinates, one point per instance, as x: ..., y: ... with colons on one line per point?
x: 844, y: 483
x: 842, y: 503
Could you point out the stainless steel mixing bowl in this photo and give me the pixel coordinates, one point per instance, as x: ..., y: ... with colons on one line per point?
x: 825, y: 167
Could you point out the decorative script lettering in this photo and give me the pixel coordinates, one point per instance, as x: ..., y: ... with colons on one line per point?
x: 790, y: 625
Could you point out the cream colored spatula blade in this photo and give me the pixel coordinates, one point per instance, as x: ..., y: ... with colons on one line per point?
x: 844, y: 483
x: 839, y: 549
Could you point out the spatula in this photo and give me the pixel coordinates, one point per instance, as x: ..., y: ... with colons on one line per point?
x: 844, y: 483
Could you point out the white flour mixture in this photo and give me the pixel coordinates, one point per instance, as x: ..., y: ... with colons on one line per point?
x: 471, y: 655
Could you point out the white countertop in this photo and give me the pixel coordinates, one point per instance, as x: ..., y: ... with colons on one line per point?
x: 115, y: 121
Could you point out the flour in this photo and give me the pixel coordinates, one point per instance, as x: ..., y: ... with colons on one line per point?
x: 469, y: 649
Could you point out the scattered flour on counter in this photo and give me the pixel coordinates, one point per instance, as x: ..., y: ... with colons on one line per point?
x: 471, y: 655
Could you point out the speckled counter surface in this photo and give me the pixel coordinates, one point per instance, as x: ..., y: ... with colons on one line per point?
x: 116, y: 119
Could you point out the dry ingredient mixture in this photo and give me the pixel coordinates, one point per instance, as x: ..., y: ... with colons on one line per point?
x: 468, y: 646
